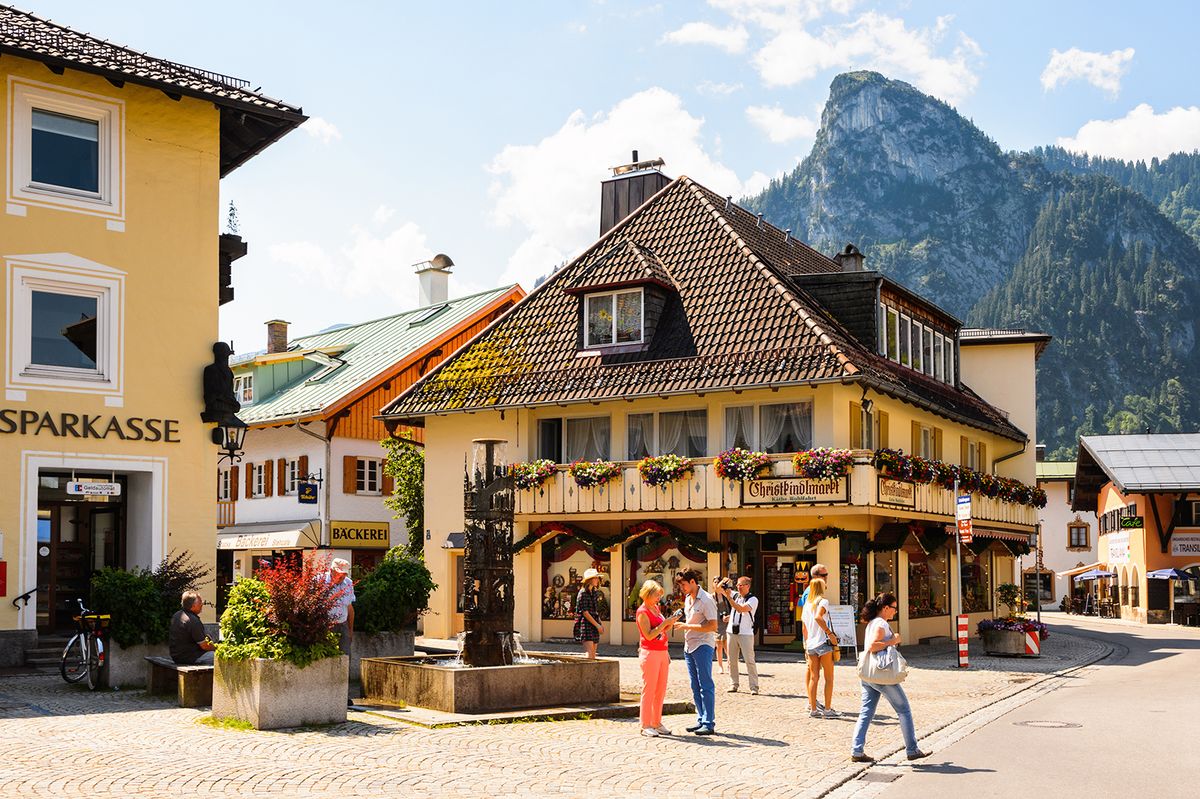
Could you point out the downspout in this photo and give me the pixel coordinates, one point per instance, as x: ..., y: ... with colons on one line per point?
x: 1024, y: 446
x: 328, y: 477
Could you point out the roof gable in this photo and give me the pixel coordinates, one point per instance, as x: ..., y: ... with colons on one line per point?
x: 1137, y: 464
x: 624, y: 263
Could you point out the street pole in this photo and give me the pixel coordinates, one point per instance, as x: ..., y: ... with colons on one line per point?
x: 957, y: 565
x: 1037, y: 560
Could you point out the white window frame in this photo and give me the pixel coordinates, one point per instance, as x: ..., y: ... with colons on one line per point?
x: 869, y: 426
x: 368, y: 477
x: 224, y: 485
x: 905, y: 352
x: 107, y: 112
x: 973, y: 456
x: 928, y: 442
x: 939, y: 356
x: 65, y: 274
x: 241, y: 384
x: 258, y: 480
x: 918, y: 332
x: 951, y: 351
x: 588, y: 299
x: 927, y: 357
x: 291, y: 476
x: 656, y: 427
x: 893, y: 334
x: 753, y: 442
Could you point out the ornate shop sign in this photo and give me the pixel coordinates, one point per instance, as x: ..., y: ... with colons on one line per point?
x: 359, y: 535
x: 794, y: 491
x: 897, y: 492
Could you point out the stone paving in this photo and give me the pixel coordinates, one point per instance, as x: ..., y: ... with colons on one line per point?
x: 61, y: 739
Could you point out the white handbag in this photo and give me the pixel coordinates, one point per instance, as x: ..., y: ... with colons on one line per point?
x: 887, y: 667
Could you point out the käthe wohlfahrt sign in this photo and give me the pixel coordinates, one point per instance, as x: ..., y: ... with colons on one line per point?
x: 793, y: 491
x: 897, y: 492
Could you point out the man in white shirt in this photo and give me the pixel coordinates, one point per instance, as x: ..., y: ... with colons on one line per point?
x: 699, y: 644
x: 740, y: 632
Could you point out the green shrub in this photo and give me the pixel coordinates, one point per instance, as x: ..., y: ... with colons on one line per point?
x: 391, y: 596
x: 133, y: 600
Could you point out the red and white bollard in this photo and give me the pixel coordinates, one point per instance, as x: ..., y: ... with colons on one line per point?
x: 1033, y: 643
x: 962, y: 641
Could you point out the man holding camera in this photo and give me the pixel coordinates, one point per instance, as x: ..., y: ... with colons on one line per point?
x: 699, y: 645
x: 740, y: 631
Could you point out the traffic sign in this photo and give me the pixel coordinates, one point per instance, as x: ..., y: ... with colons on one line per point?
x: 963, y: 509
x: 965, y: 534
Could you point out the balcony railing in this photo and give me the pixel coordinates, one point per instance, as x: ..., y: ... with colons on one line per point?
x: 226, y: 512
x: 706, y: 491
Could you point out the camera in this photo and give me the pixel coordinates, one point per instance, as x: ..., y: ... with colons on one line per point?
x: 737, y: 629
x: 724, y: 582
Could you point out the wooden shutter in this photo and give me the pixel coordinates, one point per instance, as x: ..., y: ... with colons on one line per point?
x: 249, y: 480
x: 937, y: 443
x: 962, y: 451
x: 268, y: 479
x: 349, y: 474
x: 882, y: 443
x: 389, y: 485
x: 233, y: 483
x: 916, y: 439
x: 281, y: 475
x: 303, y: 468
x: 983, y: 461
x: 855, y: 425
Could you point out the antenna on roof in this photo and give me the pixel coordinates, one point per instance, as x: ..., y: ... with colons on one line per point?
x: 759, y: 224
x: 728, y: 200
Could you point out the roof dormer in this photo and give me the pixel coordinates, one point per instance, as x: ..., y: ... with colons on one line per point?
x: 621, y: 298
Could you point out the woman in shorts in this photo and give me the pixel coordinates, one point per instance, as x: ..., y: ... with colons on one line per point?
x: 818, y: 648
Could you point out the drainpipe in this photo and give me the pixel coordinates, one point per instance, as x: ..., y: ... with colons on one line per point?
x: 1024, y: 446
x: 328, y: 475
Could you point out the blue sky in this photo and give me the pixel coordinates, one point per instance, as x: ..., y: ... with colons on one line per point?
x: 482, y: 130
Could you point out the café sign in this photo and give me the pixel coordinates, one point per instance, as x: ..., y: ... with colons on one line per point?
x: 794, y: 491
x: 360, y: 535
x: 897, y: 492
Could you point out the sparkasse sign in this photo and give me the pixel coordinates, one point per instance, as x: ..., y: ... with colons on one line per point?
x: 793, y: 491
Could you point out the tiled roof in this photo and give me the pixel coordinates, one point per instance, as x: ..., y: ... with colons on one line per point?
x: 622, y: 263
x: 737, y: 321
x: 29, y: 36
x: 1141, y: 463
x: 367, y: 349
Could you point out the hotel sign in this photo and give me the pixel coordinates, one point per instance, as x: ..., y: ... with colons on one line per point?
x: 1185, y: 545
x: 360, y: 535
x: 794, y: 491
x: 897, y: 492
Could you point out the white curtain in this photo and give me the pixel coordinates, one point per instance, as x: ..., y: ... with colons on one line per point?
x: 697, y: 432
x: 787, y: 428
x: 598, y: 438
x: 587, y: 438
x: 772, y: 418
x: 641, y: 435
x: 671, y: 433
x: 738, y: 422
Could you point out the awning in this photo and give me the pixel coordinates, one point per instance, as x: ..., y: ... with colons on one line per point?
x: 455, y: 541
x: 1081, y: 569
x: 271, y: 535
x: 1000, y: 535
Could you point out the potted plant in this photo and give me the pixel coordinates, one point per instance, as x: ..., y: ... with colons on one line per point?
x: 278, y: 664
x: 533, y: 474
x: 388, y: 601
x: 664, y: 469
x: 594, y: 474
x: 1006, y: 636
x: 823, y: 463
x: 741, y: 464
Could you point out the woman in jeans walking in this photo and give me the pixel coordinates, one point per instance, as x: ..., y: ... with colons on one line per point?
x: 877, y: 613
x: 653, y: 630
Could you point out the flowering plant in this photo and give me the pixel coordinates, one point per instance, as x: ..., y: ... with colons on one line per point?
x: 895, y: 463
x: 664, y: 469
x: 589, y: 474
x: 740, y: 464
x: 823, y: 463
x: 1014, y: 624
x: 532, y: 474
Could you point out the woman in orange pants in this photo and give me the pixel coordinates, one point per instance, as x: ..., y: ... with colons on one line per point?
x: 654, y: 657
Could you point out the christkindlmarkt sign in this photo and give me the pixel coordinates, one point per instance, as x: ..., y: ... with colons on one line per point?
x: 359, y: 535
x: 1185, y: 545
x: 897, y: 492
x: 794, y: 491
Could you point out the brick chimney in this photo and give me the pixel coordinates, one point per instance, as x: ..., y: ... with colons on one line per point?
x: 630, y: 186
x: 850, y: 259
x: 434, y: 278
x: 277, y: 340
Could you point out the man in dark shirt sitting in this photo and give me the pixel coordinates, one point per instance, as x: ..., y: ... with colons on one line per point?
x: 187, y: 640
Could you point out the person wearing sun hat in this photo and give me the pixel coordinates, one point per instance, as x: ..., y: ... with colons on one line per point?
x: 588, y: 627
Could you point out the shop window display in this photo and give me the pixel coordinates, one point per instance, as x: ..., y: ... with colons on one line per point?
x: 853, y: 572
x: 660, y: 558
x: 927, y: 584
x: 564, y: 560
x: 885, y: 573
x: 976, y: 582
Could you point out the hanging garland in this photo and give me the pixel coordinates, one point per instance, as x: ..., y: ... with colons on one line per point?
x: 895, y: 463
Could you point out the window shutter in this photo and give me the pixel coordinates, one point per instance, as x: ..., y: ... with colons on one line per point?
x: 962, y: 453
x: 268, y: 480
x: 916, y: 439
x: 303, y: 468
x: 249, y: 480
x: 855, y: 425
x: 389, y: 485
x: 349, y: 474
x: 937, y: 443
x: 233, y: 483
x: 281, y: 475
x: 983, y: 461
x: 882, y: 443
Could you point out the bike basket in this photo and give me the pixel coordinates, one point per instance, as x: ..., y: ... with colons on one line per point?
x: 96, y: 622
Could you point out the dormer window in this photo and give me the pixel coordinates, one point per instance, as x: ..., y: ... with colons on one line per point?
x: 243, y: 388
x: 613, y: 318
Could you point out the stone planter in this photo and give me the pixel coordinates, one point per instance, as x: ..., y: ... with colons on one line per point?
x: 273, y: 694
x: 126, y: 667
x: 1004, y: 642
x: 380, y: 645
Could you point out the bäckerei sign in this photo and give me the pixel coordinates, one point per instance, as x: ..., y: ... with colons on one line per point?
x: 793, y: 491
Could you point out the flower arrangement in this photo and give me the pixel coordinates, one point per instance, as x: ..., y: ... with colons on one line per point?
x: 823, y: 463
x: 740, y: 464
x: 1014, y: 624
x: 589, y: 474
x: 895, y: 463
x: 533, y: 474
x: 664, y: 469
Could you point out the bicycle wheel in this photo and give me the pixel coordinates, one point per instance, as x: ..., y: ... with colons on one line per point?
x: 95, y: 661
x: 74, y: 666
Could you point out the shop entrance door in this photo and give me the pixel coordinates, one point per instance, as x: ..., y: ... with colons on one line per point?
x: 75, y: 539
x: 781, y: 595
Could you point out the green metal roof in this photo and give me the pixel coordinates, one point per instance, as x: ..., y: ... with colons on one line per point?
x: 368, y: 349
x: 1056, y: 470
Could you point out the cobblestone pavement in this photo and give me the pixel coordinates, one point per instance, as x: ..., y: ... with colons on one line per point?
x: 61, y: 739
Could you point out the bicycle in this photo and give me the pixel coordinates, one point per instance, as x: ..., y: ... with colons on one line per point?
x: 83, y: 656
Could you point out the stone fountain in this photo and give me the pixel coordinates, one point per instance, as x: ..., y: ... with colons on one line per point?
x: 491, y: 673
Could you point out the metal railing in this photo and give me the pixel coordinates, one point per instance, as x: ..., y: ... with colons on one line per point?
x: 24, y: 598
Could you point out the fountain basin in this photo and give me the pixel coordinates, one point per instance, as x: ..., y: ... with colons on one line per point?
x: 559, y: 680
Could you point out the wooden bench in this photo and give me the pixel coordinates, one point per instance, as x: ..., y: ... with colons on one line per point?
x: 192, y: 684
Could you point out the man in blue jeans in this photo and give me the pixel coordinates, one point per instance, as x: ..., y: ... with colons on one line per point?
x: 699, y: 644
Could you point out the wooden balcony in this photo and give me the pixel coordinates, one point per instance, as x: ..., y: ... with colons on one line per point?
x: 226, y: 512
x: 705, y: 491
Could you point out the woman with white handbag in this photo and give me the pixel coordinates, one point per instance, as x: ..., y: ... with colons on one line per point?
x: 881, y: 668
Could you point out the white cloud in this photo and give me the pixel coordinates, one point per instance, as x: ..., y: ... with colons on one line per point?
x: 382, y: 214
x: 1139, y: 135
x: 551, y: 189
x: 709, y: 87
x: 322, y: 130
x: 779, y: 126
x: 1101, y: 70
x: 732, y: 39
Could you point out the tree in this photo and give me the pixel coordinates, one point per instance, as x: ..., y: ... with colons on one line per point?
x: 405, y: 464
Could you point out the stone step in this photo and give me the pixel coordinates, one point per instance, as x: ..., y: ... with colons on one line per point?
x: 43, y: 660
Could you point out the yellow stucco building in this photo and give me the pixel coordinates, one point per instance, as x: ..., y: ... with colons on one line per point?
x: 113, y: 274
